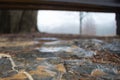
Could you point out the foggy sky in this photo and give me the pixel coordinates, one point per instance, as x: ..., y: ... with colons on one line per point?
x: 68, y: 22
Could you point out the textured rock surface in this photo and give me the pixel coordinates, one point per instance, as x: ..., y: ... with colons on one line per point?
x: 83, y: 59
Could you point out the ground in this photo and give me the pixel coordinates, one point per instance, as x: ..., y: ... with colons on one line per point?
x: 59, y: 57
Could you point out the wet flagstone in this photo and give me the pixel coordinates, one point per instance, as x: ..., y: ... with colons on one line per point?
x: 55, y: 59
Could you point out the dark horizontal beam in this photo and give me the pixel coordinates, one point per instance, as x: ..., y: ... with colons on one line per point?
x: 72, y: 5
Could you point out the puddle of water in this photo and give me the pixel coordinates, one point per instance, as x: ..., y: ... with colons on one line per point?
x: 65, y: 47
x: 46, y: 39
x: 52, y: 43
x: 53, y: 49
x: 76, y: 51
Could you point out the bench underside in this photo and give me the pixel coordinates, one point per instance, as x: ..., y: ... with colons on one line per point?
x: 72, y: 5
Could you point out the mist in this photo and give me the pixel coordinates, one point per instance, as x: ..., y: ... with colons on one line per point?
x: 68, y: 22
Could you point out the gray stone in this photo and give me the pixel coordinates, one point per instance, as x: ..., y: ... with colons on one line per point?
x: 5, y: 67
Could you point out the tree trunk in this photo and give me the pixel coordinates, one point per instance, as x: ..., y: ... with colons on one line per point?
x: 18, y: 21
x: 118, y: 23
x: 4, y: 22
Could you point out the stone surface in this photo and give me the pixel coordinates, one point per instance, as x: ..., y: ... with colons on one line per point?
x: 114, y: 46
x: 6, y: 67
x: 97, y: 72
x: 61, y: 60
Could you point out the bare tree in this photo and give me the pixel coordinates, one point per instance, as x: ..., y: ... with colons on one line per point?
x: 89, y: 26
x: 118, y: 23
x: 82, y: 16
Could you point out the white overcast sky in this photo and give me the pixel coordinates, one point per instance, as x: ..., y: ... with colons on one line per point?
x: 68, y: 22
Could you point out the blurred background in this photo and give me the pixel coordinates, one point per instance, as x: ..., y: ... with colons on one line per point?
x: 69, y: 22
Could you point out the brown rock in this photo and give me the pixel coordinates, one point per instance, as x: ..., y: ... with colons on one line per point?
x: 61, y: 68
x: 97, y: 72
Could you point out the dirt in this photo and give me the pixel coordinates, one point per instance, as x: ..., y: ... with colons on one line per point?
x: 59, y: 57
